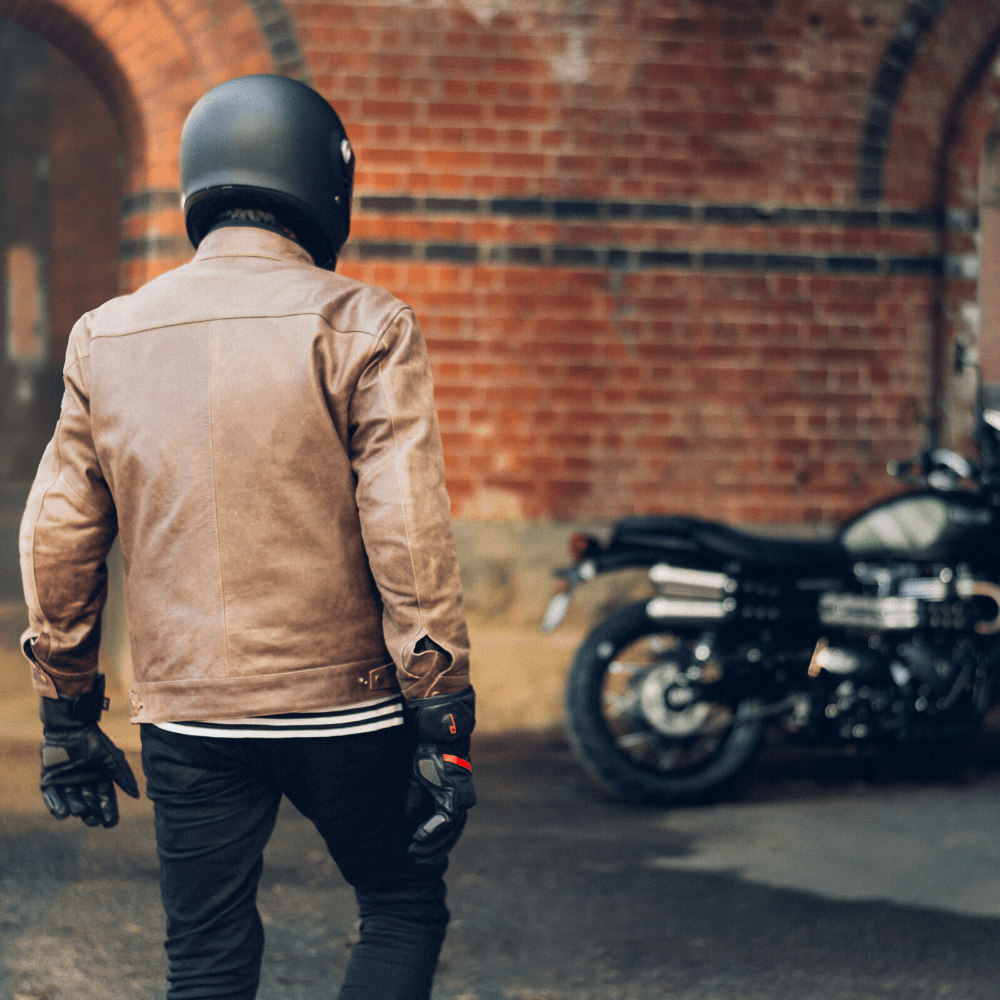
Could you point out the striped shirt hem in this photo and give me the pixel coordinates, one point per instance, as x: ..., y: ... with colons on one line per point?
x: 366, y: 717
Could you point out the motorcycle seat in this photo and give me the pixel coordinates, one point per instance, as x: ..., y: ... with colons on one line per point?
x: 726, y: 542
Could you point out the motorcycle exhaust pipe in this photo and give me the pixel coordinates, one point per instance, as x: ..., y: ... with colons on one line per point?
x: 665, y: 575
x: 671, y: 607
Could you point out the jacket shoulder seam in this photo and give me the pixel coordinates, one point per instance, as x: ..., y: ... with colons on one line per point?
x: 403, y: 307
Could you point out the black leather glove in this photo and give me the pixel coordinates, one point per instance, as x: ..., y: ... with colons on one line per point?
x: 79, y: 763
x: 441, y: 789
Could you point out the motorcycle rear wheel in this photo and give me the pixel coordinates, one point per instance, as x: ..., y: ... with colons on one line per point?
x: 628, y: 720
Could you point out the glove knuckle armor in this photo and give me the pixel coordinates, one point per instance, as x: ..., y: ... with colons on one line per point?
x: 428, y: 770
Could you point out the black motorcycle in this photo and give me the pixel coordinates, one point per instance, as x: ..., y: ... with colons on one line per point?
x: 886, y: 635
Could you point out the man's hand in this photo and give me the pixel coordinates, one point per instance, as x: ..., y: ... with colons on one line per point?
x: 80, y: 765
x: 442, y: 775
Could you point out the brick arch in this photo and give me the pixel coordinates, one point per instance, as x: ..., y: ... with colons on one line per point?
x: 151, y: 60
x: 933, y: 107
x: 962, y: 139
x: 892, y: 75
x: 930, y: 163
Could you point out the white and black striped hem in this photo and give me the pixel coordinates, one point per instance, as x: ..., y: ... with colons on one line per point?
x: 365, y: 717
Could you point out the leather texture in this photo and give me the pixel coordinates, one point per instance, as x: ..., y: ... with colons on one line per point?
x: 261, y: 434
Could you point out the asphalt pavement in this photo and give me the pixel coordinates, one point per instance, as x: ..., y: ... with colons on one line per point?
x: 826, y: 875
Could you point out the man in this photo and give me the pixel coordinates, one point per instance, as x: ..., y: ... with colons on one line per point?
x: 260, y: 433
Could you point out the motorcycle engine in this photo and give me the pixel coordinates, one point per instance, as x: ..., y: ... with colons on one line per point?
x: 893, y: 688
x: 907, y: 658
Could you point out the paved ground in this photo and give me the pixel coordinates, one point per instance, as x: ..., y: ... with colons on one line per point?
x: 830, y: 877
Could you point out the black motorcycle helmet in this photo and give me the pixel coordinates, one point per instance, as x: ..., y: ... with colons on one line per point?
x: 270, y: 143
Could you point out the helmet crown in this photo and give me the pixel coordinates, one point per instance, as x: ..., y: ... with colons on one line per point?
x: 271, y: 143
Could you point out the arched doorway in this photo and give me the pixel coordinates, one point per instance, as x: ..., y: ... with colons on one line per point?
x: 61, y: 177
x: 97, y: 193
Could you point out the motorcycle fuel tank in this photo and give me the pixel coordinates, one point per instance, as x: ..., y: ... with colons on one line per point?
x: 924, y: 525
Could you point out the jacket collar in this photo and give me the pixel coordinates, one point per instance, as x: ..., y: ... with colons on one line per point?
x: 249, y: 241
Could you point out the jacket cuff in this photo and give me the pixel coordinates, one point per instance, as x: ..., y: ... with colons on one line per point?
x: 428, y: 669
x: 429, y: 687
x: 49, y: 683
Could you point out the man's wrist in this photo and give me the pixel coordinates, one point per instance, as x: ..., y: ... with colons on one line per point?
x: 74, y: 712
x: 445, y: 720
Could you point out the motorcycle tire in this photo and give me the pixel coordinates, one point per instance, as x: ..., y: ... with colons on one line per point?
x: 621, y: 723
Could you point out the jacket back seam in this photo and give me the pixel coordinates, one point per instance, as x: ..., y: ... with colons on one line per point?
x: 215, y: 500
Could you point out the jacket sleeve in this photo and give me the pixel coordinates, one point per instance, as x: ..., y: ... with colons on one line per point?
x: 67, y: 530
x: 405, y: 513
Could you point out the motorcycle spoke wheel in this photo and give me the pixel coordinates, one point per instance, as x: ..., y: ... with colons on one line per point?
x: 633, y: 732
x: 650, y: 718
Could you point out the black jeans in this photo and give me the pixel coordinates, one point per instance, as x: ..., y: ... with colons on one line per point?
x: 216, y: 801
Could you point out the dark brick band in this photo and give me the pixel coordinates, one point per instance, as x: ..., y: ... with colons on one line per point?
x: 146, y: 247
x: 156, y: 199
x: 614, y: 211
x: 619, y: 258
x: 150, y: 200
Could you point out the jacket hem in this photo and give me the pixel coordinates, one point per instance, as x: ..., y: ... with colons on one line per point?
x: 304, y: 690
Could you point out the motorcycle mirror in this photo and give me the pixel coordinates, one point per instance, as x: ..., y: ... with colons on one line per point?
x: 952, y: 461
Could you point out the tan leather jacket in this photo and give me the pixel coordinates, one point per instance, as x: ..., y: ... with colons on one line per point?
x: 262, y: 436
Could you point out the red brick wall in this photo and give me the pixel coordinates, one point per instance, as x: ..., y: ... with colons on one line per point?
x: 671, y: 256
x: 781, y: 354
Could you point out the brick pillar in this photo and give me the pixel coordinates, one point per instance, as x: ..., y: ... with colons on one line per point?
x: 989, y: 269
